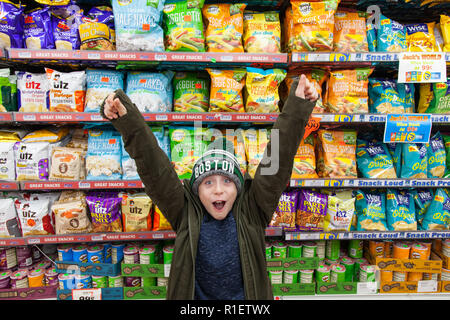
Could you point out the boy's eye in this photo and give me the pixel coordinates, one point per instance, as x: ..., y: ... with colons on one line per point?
x: 227, y: 180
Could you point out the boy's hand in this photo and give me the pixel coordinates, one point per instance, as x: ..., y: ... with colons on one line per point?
x: 306, y: 89
x: 113, y: 108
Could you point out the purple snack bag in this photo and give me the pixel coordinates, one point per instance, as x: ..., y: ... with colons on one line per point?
x: 11, y: 25
x: 65, y: 31
x: 105, y: 213
x: 284, y: 215
x: 38, y: 29
x: 311, y: 210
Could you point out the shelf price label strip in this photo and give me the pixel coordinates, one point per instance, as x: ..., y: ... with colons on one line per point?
x: 363, y: 235
x: 370, y: 183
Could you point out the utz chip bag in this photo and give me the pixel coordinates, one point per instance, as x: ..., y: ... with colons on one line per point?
x: 400, y: 210
x: 105, y: 213
x: 339, y: 214
x: 100, y: 84
x: 374, y: 160
x: 9, y: 223
x: 336, y: 154
x: 136, y: 212
x: 191, y: 92
x: 262, y: 90
x: 284, y: 215
x: 32, y: 160
x: 347, y: 91
x: 38, y: 29
x: 436, y: 155
x: 159, y: 221
x: 305, y: 160
x: 34, y: 217
x: 65, y: 30
x: 311, y: 210
x: 350, y: 32
x: 420, y: 37
x: 256, y: 141
x: 414, y: 161
x: 371, y: 210
x: 32, y: 92
x: 314, y: 24
x: 95, y: 31
x: 183, y: 26
x: 224, y: 27
x: 103, y: 158
x: 437, y: 216
x: 11, y: 25
x: 226, y: 90
x: 391, y: 36
x: 422, y: 200
x: 71, y: 217
x: 434, y: 97
x: 445, y: 29
x: 67, y: 90
x: 262, y: 32
x: 384, y: 97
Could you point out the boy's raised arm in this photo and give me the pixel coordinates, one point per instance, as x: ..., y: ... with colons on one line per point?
x: 154, y: 167
x: 268, y: 185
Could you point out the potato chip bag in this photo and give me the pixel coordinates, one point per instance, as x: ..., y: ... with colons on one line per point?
x: 11, y: 25
x: 33, y: 91
x: 237, y: 137
x: 446, y: 139
x: 336, y: 154
x: 437, y: 216
x: 7, y: 160
x: 66, y: 163
x: 339, y: 214
x: 159, y: 221
x: 384, y: 97
x: 305, y: 160
x: 284, y: 215
x: 50, y: 134
x: 395, y: 150
x: 9, y: 222
x: 414, y: 161
x: 183, y: 27
x: 67, y: 90
x: 422, y: 200
x: 314, y: 24
x: 445, y: 29
x: 347, y: 91
x: 420, y: 37
x: 34, y: 217
x: 261, y: 88
x: 391, y: 37
x: 100, y: 84
x: 262, y: 32
x: 37, y: 31
x: 371, y: 210
x: 191, y: 92
x: 436, y: 155
x: 256, y: 141
x: 434, y: 97
x: 224, y: 27
x: 136, y: 212
x: 374, y: 160
x: 65, y: 30
x: 311, y: 210
x: 71, y: 217
x: 95, y: 31
x: 32, y: 160
x: 287, y: 36
x: 103, y: 158
x: 350, y: 33
x: 407, y: 92
x: 400, y: 210
x: 226, y: 90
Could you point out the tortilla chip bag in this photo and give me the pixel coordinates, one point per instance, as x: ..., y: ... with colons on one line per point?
x: 305, y: 160
x: 159, y: 221
x: 314, y: 24
x: 350, y: 32
x: 420, y: 37
x: 262, y: 32
x: 224, y: 27
x: 226, y: 90
x: 348, y: 91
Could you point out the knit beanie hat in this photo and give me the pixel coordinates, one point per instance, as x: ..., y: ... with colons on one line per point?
x: 219, y: 158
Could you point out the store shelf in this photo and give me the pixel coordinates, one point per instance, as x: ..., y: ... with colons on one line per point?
x: 9, y: 186
x: 82, y: 185
x: 390, y: 296
x: 322, y: 57
x: 367, y: 235
x: 371, y: 183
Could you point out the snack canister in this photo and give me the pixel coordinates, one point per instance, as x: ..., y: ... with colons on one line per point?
x: 36, y: 278
x: 162, y: 282
x: 427, y: 244
x: 130, y: 255
x: 36, y: 254
x: 355, y: 249
x: 309, y: 249
x: 80, y: 253
x: 107, y: 252
x: 330, y: 262
x: 115, y: 282
x: 321, y: 248
x: 8, y: 258
x: 83, y: 281
x: 24, y: 256
x: 295, y: 250
x: 66, y: 281
x: 95, y: 254
x: 43, y: 265
x: 279, y: 250
x: 323, y: 273
x: 276, y: 276
x: 117, y: 252
x: 168, y: 254
x: 358, y: 263
x: 99, y: 281
x: 445, y: 275
x: 5, y: 279
x: 414, y: 276
x: 306, y: 276
x: 337, y: 273
x: 399, y: 276
x: 366, y: 273
x: 19, y: 279
x: 268, y: 250
x: 388, y: 248
x: 431, y: 276
x: 349, y: 265
x: 401, y: 250
x: 148, y: 281
x: 385, y: 275
x: 147, y: 254
x: 51, y: 277
x: 65, y: 252
x: 333, y: 248
x: 290, y: 276
x: 376, y: 248
x: 445, y: 247
x: 132, y: 281
x: 419, y: 251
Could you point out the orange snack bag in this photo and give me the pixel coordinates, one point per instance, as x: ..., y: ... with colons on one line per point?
x: 159, y: 221
x: 348, y: 91
x: 226, y: 90
x: 67, y: 90
x: 350, y: 32
x: 225, y: 27
x: 287, y: 35
x: 305, y: 160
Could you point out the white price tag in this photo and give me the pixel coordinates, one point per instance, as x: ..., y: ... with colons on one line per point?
x: 422, y: 67
x: 167, y: 270
x: 427, y: 286
x: 367, y: 288
x: 87, y: 294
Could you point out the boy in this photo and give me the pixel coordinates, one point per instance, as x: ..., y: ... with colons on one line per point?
x: 219, y: 217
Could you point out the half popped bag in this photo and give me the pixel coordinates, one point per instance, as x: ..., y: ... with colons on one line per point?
x: 103, y: 158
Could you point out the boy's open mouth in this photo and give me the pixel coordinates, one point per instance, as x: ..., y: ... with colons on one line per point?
x: 219, y: 204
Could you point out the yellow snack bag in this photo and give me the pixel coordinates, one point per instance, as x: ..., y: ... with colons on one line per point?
x: 347, y: 91
x: 9, y: 136
x: 288, y: 38
x: 47, y: 135
x: 350, y: 32
x: 305, y: 160
x: 420, y: 37
x: 314, y: 24
x: 225, y: 27
x: 262, y: 32
x: 237, y: 137
x: 226, y: 90
x: 262, y: 89
x: 159, y: 221
x: 445, y: 29
x: 256, y: 141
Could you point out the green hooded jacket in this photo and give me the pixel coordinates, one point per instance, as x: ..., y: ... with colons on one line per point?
x: 252, y: 210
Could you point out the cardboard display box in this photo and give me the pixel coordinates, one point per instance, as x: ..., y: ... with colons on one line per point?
x: 295, y: 289
x: 29, y: 293
x: 293, y: 264
x: 136, y: 293
x: 144, y: 270
x: 407, y: 265
x: 336, y: 287
x: 96, y: 269
x: 407, y: 287
x: 107, y: 294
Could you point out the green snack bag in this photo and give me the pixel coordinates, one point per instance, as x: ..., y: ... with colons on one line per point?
x: 191, y: 92
x: 435, y: 98
x: 183, y: 26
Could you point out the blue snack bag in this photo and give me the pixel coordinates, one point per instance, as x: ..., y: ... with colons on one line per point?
x: 436, y: 157
x: 395, y: 149
x: 401, y: 211
x: 104, y: 155
x: 384, y: 97
x: 414, y: 161
x: 99, y: 84
x: 437, y: 216
x: 371, y: 210
x: 422, y: 200
x: 391, y: 36
x: 65, y: 31
x: 374, y: 160
x: 11, y: 25
x: 38, y: 29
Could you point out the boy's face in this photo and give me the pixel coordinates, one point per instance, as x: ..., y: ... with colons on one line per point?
x: 217, y: 194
